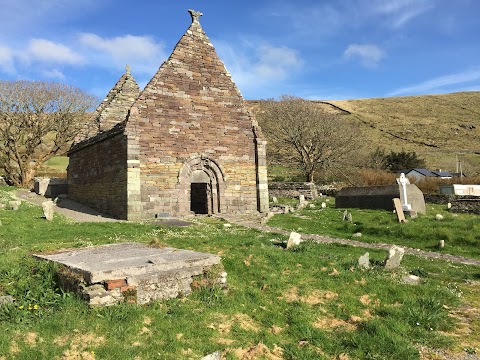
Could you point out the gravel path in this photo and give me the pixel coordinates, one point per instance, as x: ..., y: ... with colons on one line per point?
x: 68, y: 208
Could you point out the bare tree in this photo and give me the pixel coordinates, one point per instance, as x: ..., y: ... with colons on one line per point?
x: 304, y: 134
x: 38, y: 120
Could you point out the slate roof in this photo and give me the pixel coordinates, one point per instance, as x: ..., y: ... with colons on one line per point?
x: 425, y: 172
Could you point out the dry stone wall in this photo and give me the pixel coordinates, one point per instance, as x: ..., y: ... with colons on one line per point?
x: 293, y: 189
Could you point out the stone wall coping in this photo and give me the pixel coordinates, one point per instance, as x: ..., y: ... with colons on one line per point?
x: 117, y: 129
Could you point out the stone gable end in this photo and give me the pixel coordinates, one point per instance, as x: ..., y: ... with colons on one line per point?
x: 191, y: 145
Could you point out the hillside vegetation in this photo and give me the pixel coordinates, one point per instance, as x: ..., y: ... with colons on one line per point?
x: 439, y: 128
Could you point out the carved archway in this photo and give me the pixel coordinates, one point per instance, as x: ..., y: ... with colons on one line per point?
x: 210, y: 183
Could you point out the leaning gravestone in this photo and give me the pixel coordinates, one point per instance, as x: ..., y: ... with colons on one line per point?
x: 364, y: 261
x: 394, y: 257
x: 294, y: 240
x: 399, y: 210
x: 14, y: 204
x: 47, y: 207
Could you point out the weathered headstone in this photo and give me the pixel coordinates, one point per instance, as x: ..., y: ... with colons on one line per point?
x: 449, y: 206
x: 324, y: 205
x: 364, y: 261
x: 411, y: 279
x: 47, y: 207
x: 301, y: 199
x: 357, y: 234
x: 274, y: 200
x: 14, y: 204
x: 6, y: 299
x: 267, y: 217
x: 394, y: 257
x: 399, y: 210
x: 217, y: 355
x: 311, y: 206
x: 439, y: 217
x: 441, y: 244
x: 294, y: 240
x: 347, y: 216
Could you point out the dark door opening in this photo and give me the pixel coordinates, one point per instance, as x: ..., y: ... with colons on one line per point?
x: 199, y: 198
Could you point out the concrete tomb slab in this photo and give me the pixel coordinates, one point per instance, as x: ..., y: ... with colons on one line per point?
x: 105, y: 274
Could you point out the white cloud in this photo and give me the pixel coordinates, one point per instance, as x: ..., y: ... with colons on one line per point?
x: 141, y: 52
x: 254, y: 68
x: 370, y: 55
x: 400, y: 12
x: 440, y: 83
x: 275, y: 62
x: 29, y: 16
x: 6, y: 59
x: 53, y: 74
x: 42, y: 50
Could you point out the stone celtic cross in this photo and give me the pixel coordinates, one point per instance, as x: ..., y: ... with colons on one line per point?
x: 195, y: 15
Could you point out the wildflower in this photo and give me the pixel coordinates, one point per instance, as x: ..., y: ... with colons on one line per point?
x: 21, y: 307
x: 35, y: 307
x: 30, y: 307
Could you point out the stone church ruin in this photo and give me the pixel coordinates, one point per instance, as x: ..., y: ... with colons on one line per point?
x: 185, y: 144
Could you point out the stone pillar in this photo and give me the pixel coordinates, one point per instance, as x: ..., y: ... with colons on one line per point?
x: 262, y: 181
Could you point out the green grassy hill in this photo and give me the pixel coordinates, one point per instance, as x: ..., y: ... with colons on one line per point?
x: 437, y: 127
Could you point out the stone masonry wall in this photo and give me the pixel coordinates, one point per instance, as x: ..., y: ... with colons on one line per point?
x: 192, y: 113
x: 293, y: 189
x: 115, y: 106
x: 97, y: 176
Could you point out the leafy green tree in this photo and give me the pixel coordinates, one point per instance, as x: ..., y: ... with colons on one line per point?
x: 403, y: 160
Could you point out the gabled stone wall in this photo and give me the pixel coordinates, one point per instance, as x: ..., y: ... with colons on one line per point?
x: 191, y: 117
x: 189, y: 126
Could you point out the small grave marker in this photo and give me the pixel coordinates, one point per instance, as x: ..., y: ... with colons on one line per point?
x: 394, y: 257
x: 294, y: 240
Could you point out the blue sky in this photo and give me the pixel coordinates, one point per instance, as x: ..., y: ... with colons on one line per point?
x: 323, y: 49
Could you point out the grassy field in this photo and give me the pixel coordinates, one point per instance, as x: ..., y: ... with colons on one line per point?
x: 311, y: 302
x: 461, y: 232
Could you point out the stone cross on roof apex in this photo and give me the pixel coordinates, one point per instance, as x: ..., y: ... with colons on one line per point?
x: 195, y: 15
x: 128, y: 69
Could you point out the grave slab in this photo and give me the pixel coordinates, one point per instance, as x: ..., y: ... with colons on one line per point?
x: 105, y: 274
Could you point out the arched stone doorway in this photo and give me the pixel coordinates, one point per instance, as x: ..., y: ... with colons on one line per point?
x: 202, y: 183
x: 201, y: 201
